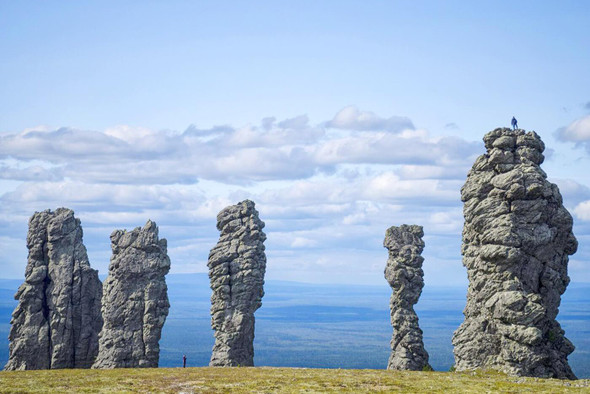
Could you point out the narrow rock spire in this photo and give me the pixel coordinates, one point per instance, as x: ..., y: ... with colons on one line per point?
x: 405, y: 276
x: 57, y: 320
x: 516, y: 240
x: 236, y: 269
x: 135, y: 301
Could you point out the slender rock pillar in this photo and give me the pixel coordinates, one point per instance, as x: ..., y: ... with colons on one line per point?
x: 236, y: 269
x: 135, y: 301
x: 405, y: 276
x: 57, y: 320
x: 516, y: 241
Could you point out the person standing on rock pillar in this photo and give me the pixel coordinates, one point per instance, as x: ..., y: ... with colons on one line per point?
x: 514, y: 123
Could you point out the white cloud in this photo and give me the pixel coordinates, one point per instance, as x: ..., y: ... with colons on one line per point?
x: 351, y: 118
x: 130, y: 134
x: 448, y: 221
x: 133, y: 197
x: 411, y: 171
x: 573, y: 192
x: 411, y: 147
x: 582, y: 211
x: 577, y: 131
x: 290, y: 149
x: 31, y: 173
x: 327, y: 196
x: 301, y: 242
x: 389, y: 186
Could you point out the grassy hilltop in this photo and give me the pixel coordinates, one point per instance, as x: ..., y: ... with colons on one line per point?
x: 264, y: 379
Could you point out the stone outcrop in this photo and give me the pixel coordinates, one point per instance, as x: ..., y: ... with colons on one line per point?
x: 516, y: 241
x: 57, y: 320
x: 135, y: 301
x: 405, y: 276
x: 236, y: 269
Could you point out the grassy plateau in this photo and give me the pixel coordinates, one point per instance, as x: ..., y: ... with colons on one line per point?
x: 265, y: 379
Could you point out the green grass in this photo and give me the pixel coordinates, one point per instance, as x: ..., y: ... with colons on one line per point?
x: 263, y: 379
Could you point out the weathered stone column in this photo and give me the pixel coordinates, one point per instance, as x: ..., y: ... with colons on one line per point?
x: 405, y: 276
x: 516, y: 241
x: 236, y: 269
x: 57, y: 320
x: 135, y: 301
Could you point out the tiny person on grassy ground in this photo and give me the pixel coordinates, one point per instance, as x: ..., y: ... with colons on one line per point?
x: 184, y: 361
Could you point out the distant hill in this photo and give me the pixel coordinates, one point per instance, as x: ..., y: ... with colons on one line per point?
x: 324, y: 326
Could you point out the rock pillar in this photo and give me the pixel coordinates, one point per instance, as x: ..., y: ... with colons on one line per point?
x: 57, y: 320
x: 236, y: 269
x: 135, y: 301
x: 405, y: 276
x: 516, y: 241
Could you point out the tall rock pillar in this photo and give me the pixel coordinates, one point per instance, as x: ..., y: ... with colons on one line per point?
x: 405, y: 276
x: 57, y: 320
x: 516, y: 241
x: 236, y: 269
x: 135, y: 301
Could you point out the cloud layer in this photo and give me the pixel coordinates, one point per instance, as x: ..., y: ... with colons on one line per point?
x: 326, y: 191
x: 290, y: 149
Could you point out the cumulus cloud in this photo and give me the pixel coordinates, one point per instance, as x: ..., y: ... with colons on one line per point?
x: 302, y: 242
x: 413, y: 147
x: 193, y: 130
x: 573, y: 192
x: 31, y: 173
x: 326, y: 191
x: 289, y: 149
x: 412, y: 171
x: 577, y: 131
x: 389, y: 186
x: 106, y: 204
x: 582, y: 211
x: 351, y: 118
x: 141, y: 156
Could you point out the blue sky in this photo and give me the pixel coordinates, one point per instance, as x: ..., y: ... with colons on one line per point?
x: 339, y: 118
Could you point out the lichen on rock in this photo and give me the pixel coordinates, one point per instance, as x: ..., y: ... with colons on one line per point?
x: 516, y: 240
x: 405, y: 276
x: 57, y: 320
x: 237, y: 265
x: 135, y: 301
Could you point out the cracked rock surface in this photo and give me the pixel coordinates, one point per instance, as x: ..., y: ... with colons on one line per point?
x: 405, y: 276
x: 135, y: 301
x: 516, y: 240
x: 236, y: 269
x: 57, y: 320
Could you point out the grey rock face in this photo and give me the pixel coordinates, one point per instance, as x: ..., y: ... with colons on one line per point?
x: 135, y: 301
x: 57, y: 320
x: 516, y: 241
x: 236, y: 269
x: 405, y: 276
